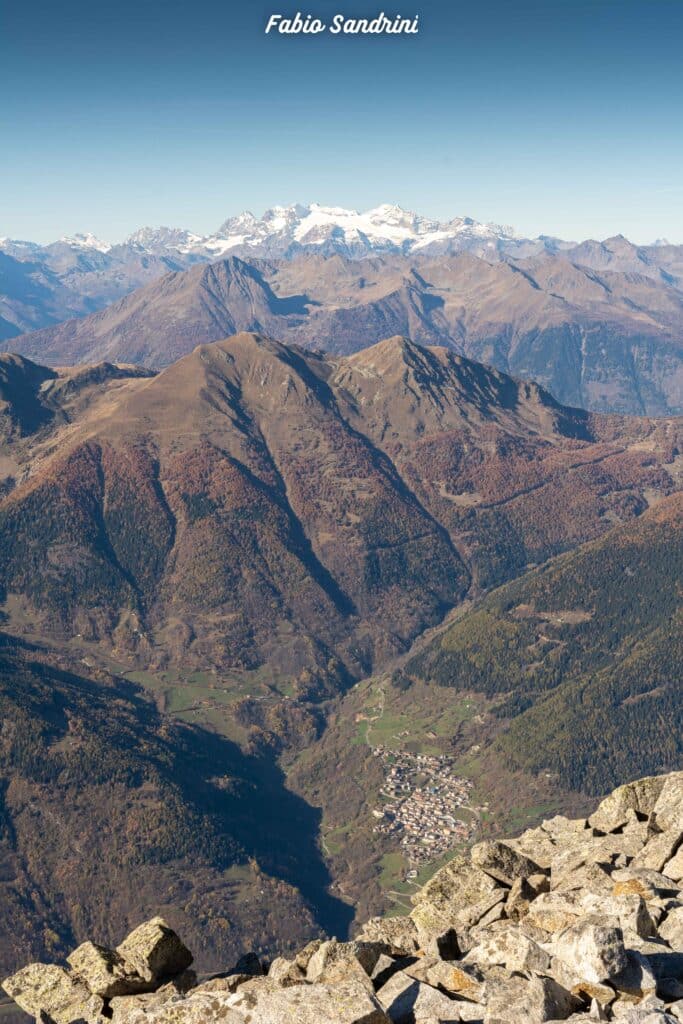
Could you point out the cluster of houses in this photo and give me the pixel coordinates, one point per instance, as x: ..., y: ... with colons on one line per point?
x: 423, y: 795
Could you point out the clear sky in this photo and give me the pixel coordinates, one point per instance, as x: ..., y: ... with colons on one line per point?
x: 554, y: 116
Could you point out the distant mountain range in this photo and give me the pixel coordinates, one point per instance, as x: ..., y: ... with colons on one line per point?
x: 605, y: 339
x: 283, y: 231
x: 41, y: 286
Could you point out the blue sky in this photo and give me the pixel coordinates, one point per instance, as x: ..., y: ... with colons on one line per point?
x: 556, y: 117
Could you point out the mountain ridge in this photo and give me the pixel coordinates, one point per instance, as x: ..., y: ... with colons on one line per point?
x: 384, y: 228
x: 387, y: 226
x: 604, y: 340
x: 41, y: 285
x: 396, y: 471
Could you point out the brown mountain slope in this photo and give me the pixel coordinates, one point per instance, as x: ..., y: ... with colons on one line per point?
x: 168, y: 318
x: 257, y: 506
x: 226, y: 511
x: 256, y: 527
x: 110, y: 812
x: 582, y: 656
x: 512, y: 475
x: 605, y: 339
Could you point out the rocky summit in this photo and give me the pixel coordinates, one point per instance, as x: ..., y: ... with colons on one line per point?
x: 574, y: 920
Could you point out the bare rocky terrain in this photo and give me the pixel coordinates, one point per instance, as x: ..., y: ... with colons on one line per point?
x: 574, y: 920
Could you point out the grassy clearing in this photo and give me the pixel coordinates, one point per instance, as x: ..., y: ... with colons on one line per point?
x: 335, y: 839
x: 361, y: 736
x: 392, y: 867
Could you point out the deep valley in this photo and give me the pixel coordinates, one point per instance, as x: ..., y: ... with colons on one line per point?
x: 283, y: 630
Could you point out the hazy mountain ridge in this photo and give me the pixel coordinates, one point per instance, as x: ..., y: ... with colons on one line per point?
x: 634, y: 316
x: 605, y: 340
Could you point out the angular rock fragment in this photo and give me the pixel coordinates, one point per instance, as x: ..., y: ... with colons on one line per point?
x: 125, y: 1009
x: 408, y: 1001
x: 554, y: 911
x: 537, y: 844
x: 398, y: 933
x: 674, y: 868
x: 639, y: 796
x: 591, y: 877
x: 671, y: 929
x: 456, y: 898
x: 387, y: 966
x: 48, y: 991
x: 668, y: 810
x: 204, y: 1007
x: 658, y: 850
x: 636, y: 981
x: 632, y: 912
x: 458, y: 979
x: 104, y: 971
x: 502, y: 862
x: 286, y: 972
x: 519, y: 899
x: 154, y: 951
x: 593, y: 948
x: 533, y: 1000
x: 344, y: 1003
x: 643, y: 881
x: 510, y: 948
x: 366, y: 954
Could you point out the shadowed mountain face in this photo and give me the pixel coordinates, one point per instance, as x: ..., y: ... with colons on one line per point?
x: 22, y: 410
x: 607, y: 339
x: 33, y: 397
x: 256, y: 505
x: 110, y: 813
x: 43, y: 285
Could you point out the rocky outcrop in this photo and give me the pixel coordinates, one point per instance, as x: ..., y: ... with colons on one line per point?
x: 571, y: 921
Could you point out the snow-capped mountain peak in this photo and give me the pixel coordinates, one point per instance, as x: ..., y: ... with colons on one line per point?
x: 284, y: 231
x: 84, y: 241
x: 156, y: 239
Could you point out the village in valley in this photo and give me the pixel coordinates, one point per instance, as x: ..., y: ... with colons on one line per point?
x: 423, y: 796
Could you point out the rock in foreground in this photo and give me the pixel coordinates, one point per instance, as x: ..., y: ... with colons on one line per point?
x: 573, y: 920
